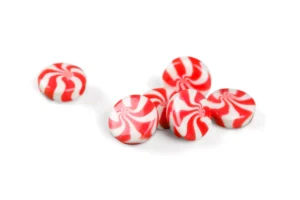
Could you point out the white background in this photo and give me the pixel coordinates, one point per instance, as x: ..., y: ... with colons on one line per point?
x: 64, y: 151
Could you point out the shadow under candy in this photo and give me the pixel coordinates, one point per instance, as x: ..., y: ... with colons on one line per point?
x: 154, y: 81
x: 258, y: 122
x: 96, y: 99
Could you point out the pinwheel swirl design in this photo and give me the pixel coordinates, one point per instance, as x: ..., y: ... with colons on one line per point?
x: 62, y: 82
x: 189, y: 115
x: 133, y: 120
x: 231, y: 108
x: 160, y: 98
x: 187, y: 73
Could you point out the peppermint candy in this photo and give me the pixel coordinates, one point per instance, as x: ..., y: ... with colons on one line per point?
x: 189, y: 115
x: 231, y: 108
x: 187, y: 73
x: 160, y: 98
x: 133, y: 120
x: 180, y: 105
x: 62, y: 82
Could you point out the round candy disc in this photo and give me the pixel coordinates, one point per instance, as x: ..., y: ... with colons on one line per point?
x: 231, y: 108
x: 189, y: 115
x: 160, y: 98
x: 187, y: 73
x: 133, y: 120
x: 62, y: 82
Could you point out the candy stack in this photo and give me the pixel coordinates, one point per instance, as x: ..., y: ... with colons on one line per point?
x: 181, y: 105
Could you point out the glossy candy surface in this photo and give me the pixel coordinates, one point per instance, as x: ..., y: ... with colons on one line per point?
x: 160, y: 98
x: 231, y: 108
x: 133, y: 120
x: 187, y: 73
x: 62, y: 82
x: 189, y: 115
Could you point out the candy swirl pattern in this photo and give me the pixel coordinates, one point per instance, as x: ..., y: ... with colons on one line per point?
x: 160, y: 98
x: 62, y: 82
x: 133, y: 120
x: 187, y: 73
x: 189, y: 115
x: 231, y: 108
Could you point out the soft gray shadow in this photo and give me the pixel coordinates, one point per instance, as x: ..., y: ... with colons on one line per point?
x: 164, y: 141
x: 102, y: 120
x: 258, y: 122
x: 154, y: 81
x: 93, y: 98
x: 98, y: 101
x: 34, y: 83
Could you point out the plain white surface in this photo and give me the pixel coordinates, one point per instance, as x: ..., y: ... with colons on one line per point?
x: 64, y: 151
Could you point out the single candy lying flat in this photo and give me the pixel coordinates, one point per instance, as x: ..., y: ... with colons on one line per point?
x: 133, y: 120
x: 189, y: 115
x: 231, y: 108
x: 62, y: 82
x: 187, y: 73
x: 160, y: 98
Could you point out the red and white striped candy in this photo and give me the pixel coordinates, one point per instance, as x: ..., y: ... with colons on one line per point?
x: 189, y: 115
x: 187, y: 73
x: 133, y: 120
x: 231, y: 108
x: 160, y: 98
x: 62, y: 82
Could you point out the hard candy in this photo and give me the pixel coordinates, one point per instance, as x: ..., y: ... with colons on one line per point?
x: 133, y: 120
x: 160, y: 98
x: 187, y: 73
x: 231, y: 108
x: 189, y: 115
x: 62, y: 82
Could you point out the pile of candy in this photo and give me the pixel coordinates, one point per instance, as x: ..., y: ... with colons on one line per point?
x: 180, y: 105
